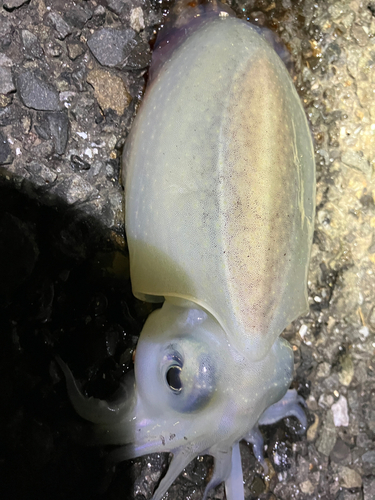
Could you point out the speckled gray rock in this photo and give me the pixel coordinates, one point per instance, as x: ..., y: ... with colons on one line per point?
x: 78, y: 15
x: 41, y: 174
x: 340, y: 451
x: 4, y: 60
x: 54, y: 126
x: 36, y: 93
x: 31, y: 45
x: 116, y: 6
x: 73, y: 189
x: 63, y: 29
x: 349, y: 495
x: 6, y: 32
x: 111, y: 46
x: 369, y: 457
x: 327, y: 435
x: 6, y: 81
x: 5, y: 151
x: 369, y: 488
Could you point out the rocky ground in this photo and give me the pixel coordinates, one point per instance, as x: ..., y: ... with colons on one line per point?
x: 72, y: 75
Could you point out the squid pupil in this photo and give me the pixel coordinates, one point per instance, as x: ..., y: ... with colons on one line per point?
x: 173, y: 378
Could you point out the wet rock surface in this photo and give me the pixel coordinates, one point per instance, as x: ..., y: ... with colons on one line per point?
x: 64, y: 283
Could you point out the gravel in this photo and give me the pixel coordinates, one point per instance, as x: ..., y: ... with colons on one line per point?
x: 72, y: 76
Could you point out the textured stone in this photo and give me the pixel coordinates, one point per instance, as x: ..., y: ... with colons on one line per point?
x: 6, y: 81
x: 349, y: 478
x: 327, y: 435
x: 5, y: 60
x: 369, y: 488
x: 340, y: 451
x: 63, y: 29
x: 78, y: 15
x: 55, y: 126
x: 36, y: 93
x: 6, y: 32
x: 13, y: 4
x: 5, y: 151
x: 356, y: 160
x: 110, y: 90
x: 42, y: 175
x: 340, y: 412
x: 73, y: 189
x: 31, y: 44
x: 75, y: 49
x: 369, y: 457
x: 110, y: 46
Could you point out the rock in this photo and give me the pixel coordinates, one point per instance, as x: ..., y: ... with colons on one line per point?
x: 54, y: 126
x: 99, y: 16
x: 75, y: 49
x: 73, y: 189
x: 78, y: 15
x: 41, y: 174
x: 323, y: 370
x: 349, y: 478
x: 363, y: 441
x: 356, y: 160
x: 369, y: 488
x: 369, y: 457
x: 359, y: 35
x: 6, y: 32
x: 139, y: 57
x: 78, y: 163
x: 137, y: 20
x: 307, y: 488
x: 349, y: 495
x: 313, y: 429
x: 340, y: 412
x: 116, y: 6
x: 110, y: 90
x: 31, y: 44
x: 53, y: 49
x: 6, y: 81
x: 327, y: 435
x: 5, y: 151
x: 5, y: 100
x: 13, y: 4
x: 63, y: 29
x: 5, y: 61
x: 110, y: 46
x: 36, y: 93
x: 340, y: 451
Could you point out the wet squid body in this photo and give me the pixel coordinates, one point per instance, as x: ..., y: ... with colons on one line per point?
x: 220, y: 182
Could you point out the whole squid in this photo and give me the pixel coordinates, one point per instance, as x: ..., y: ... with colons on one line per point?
x: 219, y: 181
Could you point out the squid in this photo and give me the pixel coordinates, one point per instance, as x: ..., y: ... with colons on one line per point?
x: 219, y: 179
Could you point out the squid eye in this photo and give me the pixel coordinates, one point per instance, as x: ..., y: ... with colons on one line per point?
x: 190, y: 374
x: 173, y: 378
